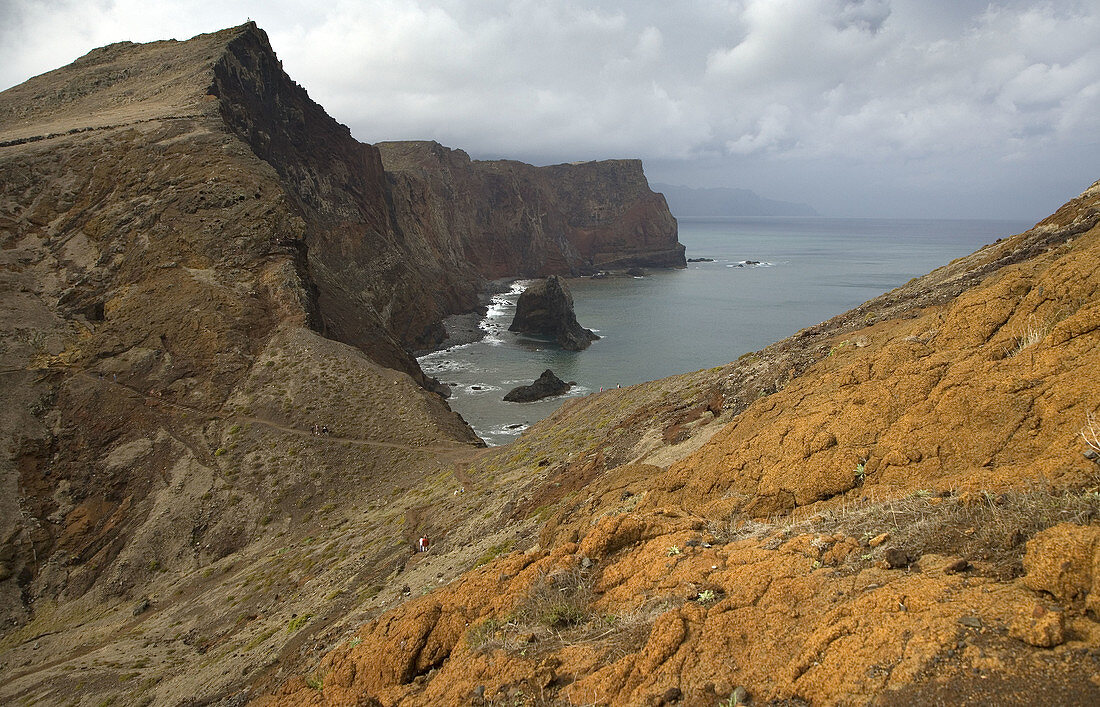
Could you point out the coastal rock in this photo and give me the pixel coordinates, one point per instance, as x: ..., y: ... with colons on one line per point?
x: 591, y: 216
x: 547, y: 385
x: 546, y: 308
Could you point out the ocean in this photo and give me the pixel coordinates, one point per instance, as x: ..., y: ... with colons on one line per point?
x: 768, y: 278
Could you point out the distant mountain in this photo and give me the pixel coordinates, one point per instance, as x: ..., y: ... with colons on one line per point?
x: 720, y: 202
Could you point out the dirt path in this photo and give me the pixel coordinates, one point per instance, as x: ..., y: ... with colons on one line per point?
x: 460, y: 451
x: 22, y: 140
x: 440, y: 447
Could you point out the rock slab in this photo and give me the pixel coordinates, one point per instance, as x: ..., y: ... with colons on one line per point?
x: 546, y: 308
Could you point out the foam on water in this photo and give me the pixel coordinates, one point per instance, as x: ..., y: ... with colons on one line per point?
x: 499, y: 313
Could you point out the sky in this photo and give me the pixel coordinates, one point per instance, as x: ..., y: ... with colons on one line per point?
x: 864, y: 108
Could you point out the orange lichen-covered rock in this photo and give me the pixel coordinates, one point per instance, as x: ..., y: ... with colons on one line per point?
x: 1039, y: 626
x: 683, y: 593
x: 764, y: 616
x: 1065, y: 561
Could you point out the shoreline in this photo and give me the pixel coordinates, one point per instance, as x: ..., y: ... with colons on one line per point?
x: 465, y: 327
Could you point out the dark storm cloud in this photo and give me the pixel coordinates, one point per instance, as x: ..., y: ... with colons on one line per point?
x: 857, y: 106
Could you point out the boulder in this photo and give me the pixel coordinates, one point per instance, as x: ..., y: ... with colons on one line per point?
x: 1039, y: 626
x: 1064, y: 561
x: 547, y: 385
x: 546, y: 308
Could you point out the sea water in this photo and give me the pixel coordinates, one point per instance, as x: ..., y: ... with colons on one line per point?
x: 768, y: 278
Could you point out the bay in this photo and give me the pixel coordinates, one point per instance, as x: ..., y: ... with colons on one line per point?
x: 768, y: 278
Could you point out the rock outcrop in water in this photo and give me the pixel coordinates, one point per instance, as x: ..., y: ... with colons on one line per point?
x: 546, y: 308
x: 547, y: 385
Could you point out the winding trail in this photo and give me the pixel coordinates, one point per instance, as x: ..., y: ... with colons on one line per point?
x: 460, y: 451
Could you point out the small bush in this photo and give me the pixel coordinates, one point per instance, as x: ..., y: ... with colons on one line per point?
x: 558, y: 600
x: 298, y: 622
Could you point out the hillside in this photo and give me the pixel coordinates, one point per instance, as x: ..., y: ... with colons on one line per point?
x: 200, y: 268
x: 896, y: 506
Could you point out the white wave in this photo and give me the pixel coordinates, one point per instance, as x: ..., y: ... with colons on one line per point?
x: 751, y: 264
x: 443, y: 365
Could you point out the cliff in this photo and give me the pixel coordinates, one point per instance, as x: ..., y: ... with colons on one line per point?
x: 512, y: 218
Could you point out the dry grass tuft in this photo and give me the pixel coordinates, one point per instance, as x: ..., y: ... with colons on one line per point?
x: 557, y: 612
x: 1033, y: 334
x: 1090, y: 433
x: 990, y: 529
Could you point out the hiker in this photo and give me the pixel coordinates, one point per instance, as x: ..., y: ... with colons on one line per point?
x: 324, y: 430
x: 422, y: 544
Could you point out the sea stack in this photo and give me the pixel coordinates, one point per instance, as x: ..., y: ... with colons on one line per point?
x: 546, y: 308
x: 546, y: 386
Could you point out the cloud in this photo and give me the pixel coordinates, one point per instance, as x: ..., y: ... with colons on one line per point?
x: 739, y: 90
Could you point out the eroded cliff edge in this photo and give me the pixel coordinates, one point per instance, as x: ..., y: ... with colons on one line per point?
x: 513, y: 218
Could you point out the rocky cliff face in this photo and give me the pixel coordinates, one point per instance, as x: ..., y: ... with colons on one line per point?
x: 511, y: 218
